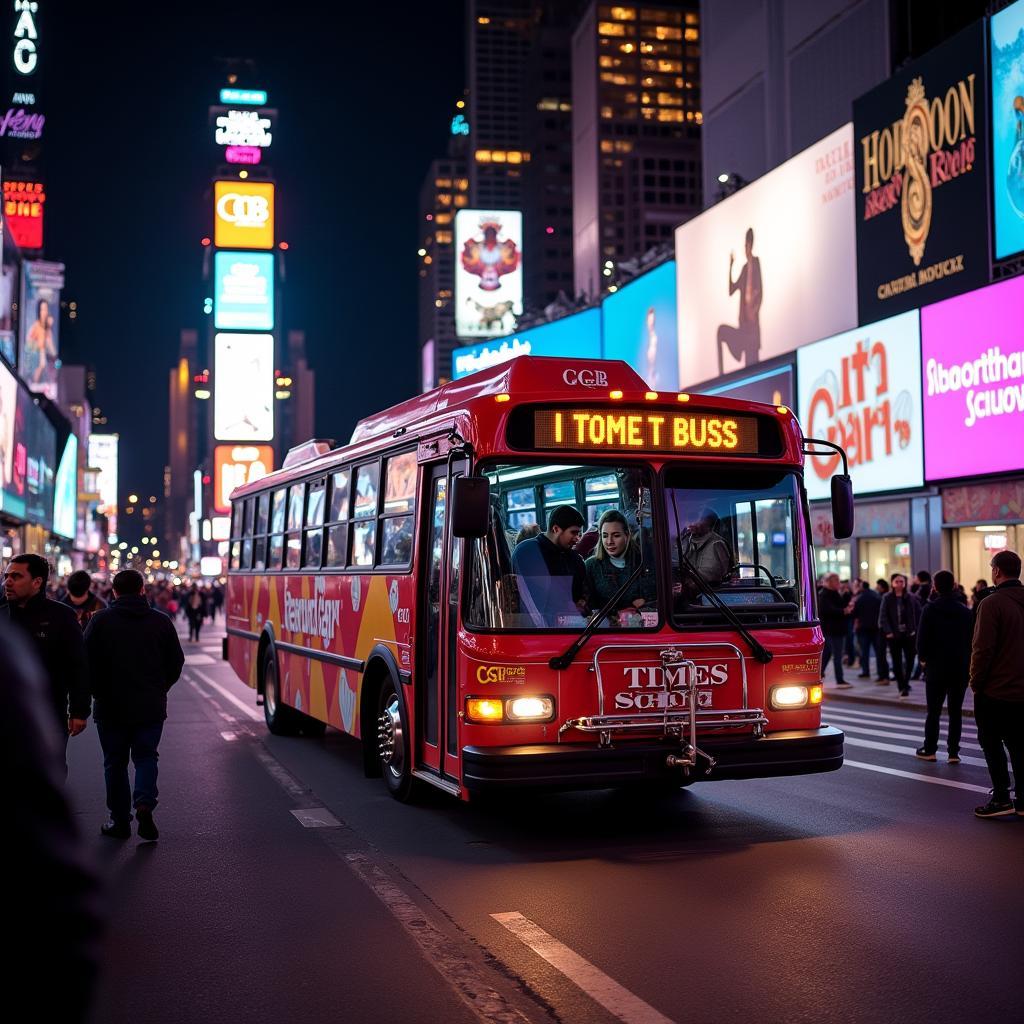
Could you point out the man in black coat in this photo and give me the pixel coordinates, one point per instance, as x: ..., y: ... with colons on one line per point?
x: 54, y: 633
x: 865, y: 616
x: 944, y: 650
x: 832, y: 614
x: 134, y: 659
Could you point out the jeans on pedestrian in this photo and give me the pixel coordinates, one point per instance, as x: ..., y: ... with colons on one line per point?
x: 119, y: 743
x: 194, y: 625
x: 943, y: 688
x: 903, y: 650
x: 834, y: 644
x: 1001, y: 725
x: 868, y: 642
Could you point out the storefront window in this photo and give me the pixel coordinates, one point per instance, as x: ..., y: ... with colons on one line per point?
x: 974, y: 546
x: 833, y: 558
x: 880, y: 557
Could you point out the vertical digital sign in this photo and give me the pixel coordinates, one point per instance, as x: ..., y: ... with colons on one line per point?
x: 488, y: 272
x: 235, y: 465
x: 243, y: 394
x: 39, y: 358
x: 23, y: 212
x: 1007, y: 47
x: 243, y: 214
x: 243, y: 291
x: 922, y: 180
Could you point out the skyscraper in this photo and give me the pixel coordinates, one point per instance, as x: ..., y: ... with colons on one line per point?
x: 636, y: 117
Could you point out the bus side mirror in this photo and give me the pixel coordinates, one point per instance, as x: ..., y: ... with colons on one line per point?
x: 471, y: 506
x: 842, y: 506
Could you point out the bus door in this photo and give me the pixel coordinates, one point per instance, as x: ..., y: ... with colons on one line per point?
x: 437, y: 741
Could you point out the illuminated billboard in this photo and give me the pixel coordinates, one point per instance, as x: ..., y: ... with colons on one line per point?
x: 23, y: 212
x: 237, y: 464
x: 103, y: 459
x: 488, y: 272
x: 35, y: 458
x: 640, y: 327
x: 243, y: 214
x: 243, y: 295
x: 243, y: 392
x: 972, y: 355
x: 772, y: 384
x: 576, y: 335
x: 770, y: 268
x: 39, y: 358
x: 8, y: 418
x: 65, y: 496
x: 922, y: 180
x: 862, y: 390
x: 1007, y: 38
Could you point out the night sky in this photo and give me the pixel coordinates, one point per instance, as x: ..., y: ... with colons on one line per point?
x: 363, y: 104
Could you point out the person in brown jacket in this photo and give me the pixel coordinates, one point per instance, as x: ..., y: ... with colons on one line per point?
x: 997, y: 679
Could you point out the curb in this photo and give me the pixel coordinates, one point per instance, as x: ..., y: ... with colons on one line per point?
x: 883, y: 702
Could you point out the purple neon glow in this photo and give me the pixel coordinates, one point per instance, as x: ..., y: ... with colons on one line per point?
x: 972, y: 366
x: 243, y: 154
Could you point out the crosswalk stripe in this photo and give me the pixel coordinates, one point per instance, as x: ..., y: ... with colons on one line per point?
x: 952, y: 783
x: 905, y: 723
x: 849, y: 727
x: 855, y: 741
x: 849, y: 709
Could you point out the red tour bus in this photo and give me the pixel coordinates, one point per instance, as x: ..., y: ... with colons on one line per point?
x: 419, y: 588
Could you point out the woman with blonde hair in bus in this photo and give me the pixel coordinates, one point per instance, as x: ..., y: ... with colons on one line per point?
x: 615, y: 558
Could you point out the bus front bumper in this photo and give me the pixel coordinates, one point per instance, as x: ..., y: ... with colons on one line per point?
x: 576, y: 766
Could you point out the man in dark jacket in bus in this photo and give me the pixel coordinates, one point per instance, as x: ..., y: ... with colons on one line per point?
x: 54, y: 633
x: 135, y: 657
x: 552, y: 577
x: 944, y: 650
x: 997, y: 679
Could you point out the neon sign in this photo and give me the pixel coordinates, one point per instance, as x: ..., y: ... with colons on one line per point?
x: 26, y: 56
x: 460, y: 126
x: 248, y: 97
x: 17, y: 124
x: 23, y: 211
x: 243, y: 128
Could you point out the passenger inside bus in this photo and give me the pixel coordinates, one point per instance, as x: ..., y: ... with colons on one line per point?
x: 704, y: 549
x: 552, y: 577
x: 615, y: 558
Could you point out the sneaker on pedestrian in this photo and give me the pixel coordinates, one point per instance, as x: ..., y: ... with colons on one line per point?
x: 995, y: 809
x: 147, y: 826
x: 954, y: 757
x: 844, y: 686
x: 904, y: 695
x: 925, y: 755
x: 116, y: 830
x: 881, y: 682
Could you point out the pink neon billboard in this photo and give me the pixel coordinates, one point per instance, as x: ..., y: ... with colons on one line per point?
x: 972, y: 367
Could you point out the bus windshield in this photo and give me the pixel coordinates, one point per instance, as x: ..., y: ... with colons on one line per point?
x: 563, y: 539
x: 738, y: 536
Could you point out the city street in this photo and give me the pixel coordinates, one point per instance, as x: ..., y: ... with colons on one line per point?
x: 285, y: 886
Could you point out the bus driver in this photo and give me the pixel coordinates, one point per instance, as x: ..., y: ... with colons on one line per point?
x: 703, y: 547
x: 552, y: 577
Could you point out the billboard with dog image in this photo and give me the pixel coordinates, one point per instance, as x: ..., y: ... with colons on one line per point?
x: 488, y: 272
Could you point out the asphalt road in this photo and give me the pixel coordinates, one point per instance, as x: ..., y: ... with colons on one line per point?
x: 286, y: 887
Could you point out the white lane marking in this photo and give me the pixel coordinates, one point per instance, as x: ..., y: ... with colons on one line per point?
x: 316, y: 817
x: 857, y: 727
x: 229, y: 736
x: 618, y: 1001
x: 227, y: 695
x: 898, y: 721
x: 855, y: 741
x: 842, y: 708
x: 199, y: 659
x: 913, y: 775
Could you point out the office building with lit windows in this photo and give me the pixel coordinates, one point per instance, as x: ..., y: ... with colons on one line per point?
x: 444, y: 191
x: 636, y: 129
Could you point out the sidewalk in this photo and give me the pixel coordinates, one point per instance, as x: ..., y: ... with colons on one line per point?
x: 867, y: 691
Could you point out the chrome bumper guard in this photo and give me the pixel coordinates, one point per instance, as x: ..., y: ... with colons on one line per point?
x: 681, y: 724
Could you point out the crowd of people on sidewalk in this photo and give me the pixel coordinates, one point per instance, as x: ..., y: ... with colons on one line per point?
x: 932, y: 628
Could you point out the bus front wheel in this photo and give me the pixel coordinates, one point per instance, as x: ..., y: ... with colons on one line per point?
x: 394, y: 742
x: 281, y: 720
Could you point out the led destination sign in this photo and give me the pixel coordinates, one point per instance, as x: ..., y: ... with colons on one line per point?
x: 652, y: 430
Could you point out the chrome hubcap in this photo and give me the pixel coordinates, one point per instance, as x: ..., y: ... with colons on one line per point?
x: 270, y: 696
x: 390, y: 738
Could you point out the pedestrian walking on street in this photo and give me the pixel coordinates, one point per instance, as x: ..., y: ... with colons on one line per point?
x: 53, y: 631
x: 832, y: 614
x: 195, y: 612
x: 80, y: 598
x: 997, y: 679
x: 865, y: 620
x: 134, y: 658
x: 898, y: 618
x: 944, y: 650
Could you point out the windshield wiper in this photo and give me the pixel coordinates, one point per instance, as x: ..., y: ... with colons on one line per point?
x: 564, y: 660
x: 760, y: 652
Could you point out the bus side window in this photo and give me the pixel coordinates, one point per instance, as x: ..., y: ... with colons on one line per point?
x: 259, y: 554
x: 277, y: 520
x: 364, y: 528
x: 399, y: 506
x: 337, y: 523
x: 247, y: 511
x: 236, y: 529
x: 293, y: 557
x: 314, y: 536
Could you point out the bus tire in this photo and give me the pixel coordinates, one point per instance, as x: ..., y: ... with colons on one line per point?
x: 394, y: 741
x: 281, y: 720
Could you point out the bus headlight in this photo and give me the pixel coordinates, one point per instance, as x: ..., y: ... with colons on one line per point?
x: 531, y: 709
x: 787, y: 697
